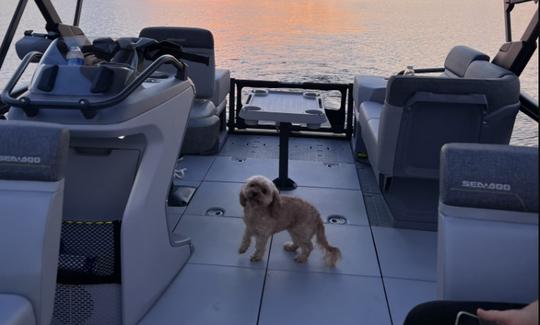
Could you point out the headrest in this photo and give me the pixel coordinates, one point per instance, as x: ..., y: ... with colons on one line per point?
x: 460, y: 57
x: 489, y: 176
x: 486, y: 70
x: 32, y: 153
x: 184, y: 36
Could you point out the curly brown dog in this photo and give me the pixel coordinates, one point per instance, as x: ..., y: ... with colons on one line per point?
x: 266, y: 212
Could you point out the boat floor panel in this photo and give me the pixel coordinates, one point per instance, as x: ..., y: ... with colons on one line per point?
x: 304, y: 173
x: 355, y: 243
x: 317, y: 298
x: 403, y: 295
x: 212, y: 195
x: 267, y: 147
x: 194, y: 168
x: 220, y: 286
x: 377, y: 211
x: 406, y: 254
x: 216, y: 240
x: 329, y: 202
x: 209, y: 294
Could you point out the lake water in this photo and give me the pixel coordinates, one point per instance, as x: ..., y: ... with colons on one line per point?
x: 312, y: 40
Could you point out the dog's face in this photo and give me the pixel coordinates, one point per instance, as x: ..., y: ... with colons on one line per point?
x: 259, y: 191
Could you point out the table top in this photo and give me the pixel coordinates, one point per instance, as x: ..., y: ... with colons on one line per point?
x: 284, y: 107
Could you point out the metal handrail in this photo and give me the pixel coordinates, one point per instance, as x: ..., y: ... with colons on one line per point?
x: 86, y: 106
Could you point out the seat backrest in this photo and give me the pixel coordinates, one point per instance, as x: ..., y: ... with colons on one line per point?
x: 421, y: 114
x: 196, y: 41
x: 488, y: 223
x: 458, y: 60
x: 32, y: 163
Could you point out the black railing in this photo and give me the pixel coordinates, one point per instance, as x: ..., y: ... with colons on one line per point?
x: 341, y: 122
x: 87, y: 107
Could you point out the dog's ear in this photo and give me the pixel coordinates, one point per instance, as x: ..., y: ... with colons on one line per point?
x: 276, y: 200
x: 242, y: 197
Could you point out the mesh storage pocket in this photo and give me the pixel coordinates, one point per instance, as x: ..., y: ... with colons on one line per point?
x: 94, y: 304
x: 89, y: 252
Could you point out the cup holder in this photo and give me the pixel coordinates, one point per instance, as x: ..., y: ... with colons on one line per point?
x: 310, y: 95
x: 252, y: 108
x: 260, y: 92
x: 336, y: 219
x: 216, y: 212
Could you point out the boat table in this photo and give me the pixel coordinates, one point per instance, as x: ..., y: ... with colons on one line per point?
x: 285, y: 109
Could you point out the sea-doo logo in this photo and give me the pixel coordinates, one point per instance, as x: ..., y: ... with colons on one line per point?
x: 21, y: 159
x: 487, y: 186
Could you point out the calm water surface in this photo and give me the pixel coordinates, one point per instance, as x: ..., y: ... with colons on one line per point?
x: 312, y: 40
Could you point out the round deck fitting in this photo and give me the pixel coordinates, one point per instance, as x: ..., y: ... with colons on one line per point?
x: 215, y: 212
x: 336, y: 219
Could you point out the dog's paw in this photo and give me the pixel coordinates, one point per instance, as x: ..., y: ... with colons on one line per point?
x: 255, y: 258
x: 300, y: 259
x: 242, y: 250
x: 290, y: 246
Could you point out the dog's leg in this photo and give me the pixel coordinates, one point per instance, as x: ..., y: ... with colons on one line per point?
x: 306, y: 247
x: 260, y: 247
x: 246, y: 241
x: 291, y: 246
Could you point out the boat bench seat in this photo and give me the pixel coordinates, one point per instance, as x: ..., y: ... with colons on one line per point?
x: 206, y: 125
x: 373, y: 89
x: 32, y: 165
x: 488, y: 223
x: 403, y: 136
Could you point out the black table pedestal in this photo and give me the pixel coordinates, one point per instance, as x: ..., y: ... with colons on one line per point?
x: 283, y: 182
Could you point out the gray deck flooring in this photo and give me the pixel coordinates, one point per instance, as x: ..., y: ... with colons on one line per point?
x: 384, y: 271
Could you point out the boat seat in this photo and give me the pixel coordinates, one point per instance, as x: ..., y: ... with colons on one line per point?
x: 204, y: 127
x: 488, y: 223
x: 370, y: 110
x: 212, y: 87
x: 32, y: 165
x: 16, y: 310
x: 373, y: 88
x: 221, y: 88
x: 419, y: 116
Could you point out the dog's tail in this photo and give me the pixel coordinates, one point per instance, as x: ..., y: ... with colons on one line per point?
x: 332, y: 254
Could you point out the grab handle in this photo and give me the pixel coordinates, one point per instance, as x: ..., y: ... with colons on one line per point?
x: 88, y: 108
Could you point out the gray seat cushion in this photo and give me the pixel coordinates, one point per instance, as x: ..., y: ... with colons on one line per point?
x: 222, y: 86
x: 368, y: 88
x: 486, y: 70
x: 35, y: 153
x: 459, y: 58
x: 370, y: 110
x: 370, y: 134
x: 368, y: 118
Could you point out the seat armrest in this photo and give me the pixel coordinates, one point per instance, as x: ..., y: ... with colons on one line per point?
x: 222, y: 86
x: 368, y: 88
x: 498, y: 91
x: 423, y: 70
x: 16, y: 310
